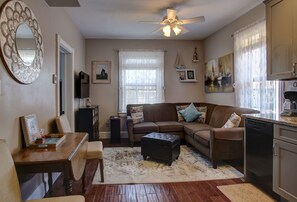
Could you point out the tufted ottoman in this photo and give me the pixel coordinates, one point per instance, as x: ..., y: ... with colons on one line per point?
x: 160, y: 146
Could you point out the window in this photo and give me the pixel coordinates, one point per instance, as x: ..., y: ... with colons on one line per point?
x: 141, y: 78
x: 252, y: 88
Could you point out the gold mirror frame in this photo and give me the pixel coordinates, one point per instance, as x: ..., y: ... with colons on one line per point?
x: 13, y: 14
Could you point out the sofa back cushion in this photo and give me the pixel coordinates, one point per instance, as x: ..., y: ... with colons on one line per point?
x: 209, y: 107
x: 156, y: 112
x: 221, y: 114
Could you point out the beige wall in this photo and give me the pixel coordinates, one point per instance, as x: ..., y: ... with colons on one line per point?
x: 221, y: 43
x: 39, y: 97
x: 106, y: 95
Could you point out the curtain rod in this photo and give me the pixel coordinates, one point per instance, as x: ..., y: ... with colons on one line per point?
x: 248, y: 26
x: 140, y: 50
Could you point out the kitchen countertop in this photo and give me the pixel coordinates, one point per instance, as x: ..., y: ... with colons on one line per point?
x: 274, y: 118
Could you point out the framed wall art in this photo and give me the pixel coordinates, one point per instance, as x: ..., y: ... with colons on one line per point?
x: 101, y: 71
x: 219, y: 75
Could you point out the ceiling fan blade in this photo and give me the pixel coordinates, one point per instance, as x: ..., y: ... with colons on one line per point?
x: 184, y: 30
x: 150, y: 22
x: 171, y: 14
x: 157, y: 30
x: 193, y: 20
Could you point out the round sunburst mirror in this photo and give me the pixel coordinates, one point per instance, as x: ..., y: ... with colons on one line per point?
x: 21, y: 42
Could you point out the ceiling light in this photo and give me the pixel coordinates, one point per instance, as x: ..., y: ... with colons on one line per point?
x: 177, y: 30
x: 167, y: 30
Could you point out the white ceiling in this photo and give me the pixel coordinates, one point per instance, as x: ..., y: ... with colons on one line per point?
x: 119, y: 19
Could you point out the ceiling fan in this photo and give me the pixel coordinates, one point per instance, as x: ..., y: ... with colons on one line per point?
x: 172, y: 23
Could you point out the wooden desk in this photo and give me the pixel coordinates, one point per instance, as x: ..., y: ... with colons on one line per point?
x: 68, y: 157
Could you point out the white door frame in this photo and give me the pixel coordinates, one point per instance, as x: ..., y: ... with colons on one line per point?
x: 69, y: 80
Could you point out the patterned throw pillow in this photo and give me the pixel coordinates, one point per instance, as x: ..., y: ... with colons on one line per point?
x: 203, y: 111
x: 180, y: 118
x: 137, y: 114
x: 233, y: 121
x: 190, y: 113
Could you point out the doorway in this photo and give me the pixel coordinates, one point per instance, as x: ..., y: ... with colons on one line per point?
x: 65, y: 80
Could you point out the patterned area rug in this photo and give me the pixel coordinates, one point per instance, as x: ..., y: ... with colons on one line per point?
x: 125, y: 165
x: 244, y: 193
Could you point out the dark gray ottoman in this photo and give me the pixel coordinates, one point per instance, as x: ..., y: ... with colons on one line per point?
x: 160, y: 146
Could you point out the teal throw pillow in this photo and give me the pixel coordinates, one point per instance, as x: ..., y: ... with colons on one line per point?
x: 190, y: 113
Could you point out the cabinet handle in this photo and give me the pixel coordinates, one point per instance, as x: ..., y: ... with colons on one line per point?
x: 274, y: 149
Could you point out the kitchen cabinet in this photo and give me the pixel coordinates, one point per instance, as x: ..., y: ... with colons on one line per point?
x: 281, y: 27
x: 285, y: 161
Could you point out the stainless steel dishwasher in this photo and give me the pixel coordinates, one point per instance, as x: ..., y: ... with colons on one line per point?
x: 259, y: 154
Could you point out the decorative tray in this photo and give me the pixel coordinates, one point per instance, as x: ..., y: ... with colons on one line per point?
x: 48, y: 141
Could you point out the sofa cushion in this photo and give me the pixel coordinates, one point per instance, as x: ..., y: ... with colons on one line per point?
x: 191, y: 128
x: 180, y: 118
x: 203, y: 137
x: 233, y: 121
x: 137, y: 114
x: 190, y: 113
x: 145, y: 127
x: 170, y: 126
x: 221, y: 114
x: 203, y: 111
x: 156, y: 112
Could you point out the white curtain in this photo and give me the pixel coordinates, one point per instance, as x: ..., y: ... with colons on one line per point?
x: 252, y: 90
x: 141, y: 78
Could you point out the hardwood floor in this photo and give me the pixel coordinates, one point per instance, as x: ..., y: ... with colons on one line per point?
x: 181, y: 191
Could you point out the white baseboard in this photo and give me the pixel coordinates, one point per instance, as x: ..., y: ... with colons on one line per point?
x: 106, y: 135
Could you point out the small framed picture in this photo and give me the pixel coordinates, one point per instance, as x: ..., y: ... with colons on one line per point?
x: 191, y: 74
x: 101, y: 71
x: 182, y: 75
x: 30, y: 129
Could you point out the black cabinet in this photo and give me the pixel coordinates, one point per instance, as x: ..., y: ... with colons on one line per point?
x: 88, y: 121
x: 115, y: 129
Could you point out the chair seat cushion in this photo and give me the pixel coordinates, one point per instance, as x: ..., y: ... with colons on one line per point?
x: 192, y: 128
x: 95, y: 150
x: 203, y: 137
x: 170, y: 126
x: 145, y: 127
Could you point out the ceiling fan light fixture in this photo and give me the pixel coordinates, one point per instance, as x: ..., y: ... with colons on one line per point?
x: 176, y: 30
x: 166, y: 30
x: 171, y: 23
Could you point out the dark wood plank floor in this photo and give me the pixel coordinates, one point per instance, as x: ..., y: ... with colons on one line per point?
x: 181, y: 191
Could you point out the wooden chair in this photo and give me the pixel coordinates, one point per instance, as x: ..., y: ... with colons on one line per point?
x: 10, y: 188
x: 95, y: 148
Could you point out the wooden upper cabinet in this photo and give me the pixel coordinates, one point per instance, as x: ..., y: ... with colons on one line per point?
x: 281, y: 39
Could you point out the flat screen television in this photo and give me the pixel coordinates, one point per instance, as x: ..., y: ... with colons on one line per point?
x: 83, y: 85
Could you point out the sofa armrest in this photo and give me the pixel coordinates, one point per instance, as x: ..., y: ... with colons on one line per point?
x: 130, y: 129
x: 129, y: 119
x: 226, y: 143
x: 235, y: 134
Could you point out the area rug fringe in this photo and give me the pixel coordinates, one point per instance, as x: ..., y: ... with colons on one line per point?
x: 125, y: 165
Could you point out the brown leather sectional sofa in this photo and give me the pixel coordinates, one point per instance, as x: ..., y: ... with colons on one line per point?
x: 209, y: 138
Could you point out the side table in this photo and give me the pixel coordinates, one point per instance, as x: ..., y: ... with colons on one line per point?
x: 115, y: 129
